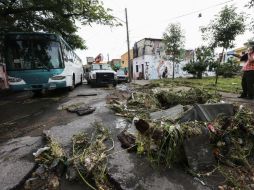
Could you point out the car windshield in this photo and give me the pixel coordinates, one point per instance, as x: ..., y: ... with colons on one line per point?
x: 27, y: 54
x: 101, y: 67
x: 120, y: 72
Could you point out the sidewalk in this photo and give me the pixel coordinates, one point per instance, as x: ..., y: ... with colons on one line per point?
x: 232, y: 98
x: 141, y: 82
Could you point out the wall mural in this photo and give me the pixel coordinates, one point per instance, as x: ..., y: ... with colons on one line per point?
x: 164, y: 69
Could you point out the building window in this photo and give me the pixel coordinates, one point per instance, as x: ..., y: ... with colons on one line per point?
x: 136, y: 68
x: 122, y: 62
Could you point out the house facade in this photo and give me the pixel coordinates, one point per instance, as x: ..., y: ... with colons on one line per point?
x: 150, y: 61
x: 116, y: 63
x: 124, y: 59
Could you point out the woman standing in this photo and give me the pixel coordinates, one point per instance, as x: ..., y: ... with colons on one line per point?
x: 248, y: 75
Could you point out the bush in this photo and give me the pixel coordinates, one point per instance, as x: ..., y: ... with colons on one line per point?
x: 229, y: 68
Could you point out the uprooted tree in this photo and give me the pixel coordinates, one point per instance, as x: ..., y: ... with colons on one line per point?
x: 173, y: 38
x: 59, y: 17
x: 203, y: 57
x: 223, y: 29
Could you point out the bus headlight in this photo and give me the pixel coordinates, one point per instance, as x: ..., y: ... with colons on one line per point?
x: 58, y: 77
x: 13, y: 79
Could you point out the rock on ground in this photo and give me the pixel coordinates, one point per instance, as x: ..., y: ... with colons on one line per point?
x: 16, y: 160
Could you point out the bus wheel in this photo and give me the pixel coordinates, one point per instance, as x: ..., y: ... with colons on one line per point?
x: 73, y: 83
x: 81, y: 80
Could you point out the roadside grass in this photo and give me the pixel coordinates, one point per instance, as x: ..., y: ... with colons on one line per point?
x: 230, y: 85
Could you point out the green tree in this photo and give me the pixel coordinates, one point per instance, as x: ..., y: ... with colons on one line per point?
x: 174, y: 38
x: 57, y: 16
x: 203, y: 57
x: 222, y: 31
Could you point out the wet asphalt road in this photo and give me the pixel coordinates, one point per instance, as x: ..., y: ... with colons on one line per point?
x: 22, y: 114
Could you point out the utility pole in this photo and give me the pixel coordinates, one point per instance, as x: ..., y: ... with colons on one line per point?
x: 128, y: 44
x: 108, y: 58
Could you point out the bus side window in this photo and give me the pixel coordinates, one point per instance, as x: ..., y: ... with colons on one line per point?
x: 70, y: 56
x: 65, y: 57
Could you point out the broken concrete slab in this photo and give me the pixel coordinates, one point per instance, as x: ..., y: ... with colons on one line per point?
x: 172, y: 114
x: 85, y: 111
x: 131, y: 172
x: 198, y: 152
x: 16, y: 160
x: 207, y: 112
x: 63, y: 133
x: 81, y: 110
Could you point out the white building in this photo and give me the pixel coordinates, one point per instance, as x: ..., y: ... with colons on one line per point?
x: 150, y: 61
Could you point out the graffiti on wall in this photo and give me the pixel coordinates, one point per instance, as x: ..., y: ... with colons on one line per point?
x: 164, y: 69
x: 147, y: 76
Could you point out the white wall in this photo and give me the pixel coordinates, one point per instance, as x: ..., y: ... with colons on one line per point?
x: 154, y: 66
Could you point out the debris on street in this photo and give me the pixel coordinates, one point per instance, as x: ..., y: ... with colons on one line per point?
x: 146, y: 101
x: 87, y: 162
x: 81, y: 110
x: 193, y: 129
x: 90, y: 156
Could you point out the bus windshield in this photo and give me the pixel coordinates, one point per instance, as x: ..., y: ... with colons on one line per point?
x: 37, y: 53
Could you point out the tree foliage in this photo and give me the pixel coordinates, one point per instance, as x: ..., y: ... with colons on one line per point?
x: 56, y: 16
x: 251, y: 5
x: 203, y: 58
x: 174, y: 38
x: 223, y: 30
x: 229, y: 68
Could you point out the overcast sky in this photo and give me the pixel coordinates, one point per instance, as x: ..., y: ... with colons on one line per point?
x: 149, y: 19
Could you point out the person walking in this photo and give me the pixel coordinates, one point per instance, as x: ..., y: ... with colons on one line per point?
x: 248, y: 75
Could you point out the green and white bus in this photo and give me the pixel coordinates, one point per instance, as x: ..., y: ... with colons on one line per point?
x: 40, y: 61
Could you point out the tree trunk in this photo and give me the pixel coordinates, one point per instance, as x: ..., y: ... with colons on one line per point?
x: 173, y: 75
x: 217, y: 69
x: 199, y: 75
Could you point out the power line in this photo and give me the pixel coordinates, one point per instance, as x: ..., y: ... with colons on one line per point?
x: 193, y: 12
x: 200, y: 10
